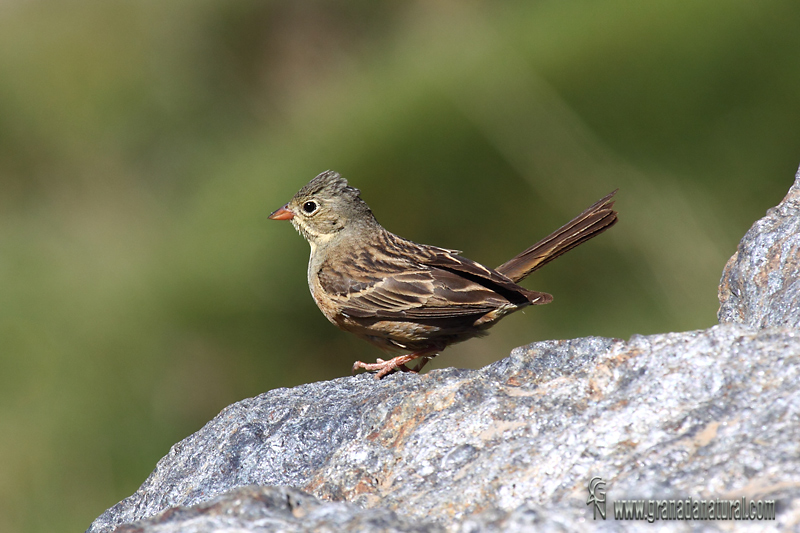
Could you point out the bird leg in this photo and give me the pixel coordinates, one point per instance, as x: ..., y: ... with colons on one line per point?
x: 422, y: 362
x: 396, y: 363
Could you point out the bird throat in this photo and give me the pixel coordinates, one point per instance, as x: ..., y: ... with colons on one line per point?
x: 314, y: 238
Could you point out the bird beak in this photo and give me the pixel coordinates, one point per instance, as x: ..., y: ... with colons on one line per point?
x: 282, y: 214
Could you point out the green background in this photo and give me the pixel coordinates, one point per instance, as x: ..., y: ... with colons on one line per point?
x: 143, y: 145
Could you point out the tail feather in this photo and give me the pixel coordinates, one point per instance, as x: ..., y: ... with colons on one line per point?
x: 592, y: 222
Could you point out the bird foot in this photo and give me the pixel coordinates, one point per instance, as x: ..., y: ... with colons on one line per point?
x: 396, y: 363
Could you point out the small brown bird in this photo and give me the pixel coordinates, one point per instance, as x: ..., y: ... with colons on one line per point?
x: 404, y: 296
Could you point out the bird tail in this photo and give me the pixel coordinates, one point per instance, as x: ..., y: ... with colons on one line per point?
x: 592, y: 222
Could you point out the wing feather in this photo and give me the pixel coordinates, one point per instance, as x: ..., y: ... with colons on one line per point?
x: 414, y: 281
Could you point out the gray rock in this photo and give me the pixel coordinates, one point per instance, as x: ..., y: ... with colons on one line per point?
x: 511, y: 447
x: 262, y: 509
x: 760, y: 286
x: 705, y: 414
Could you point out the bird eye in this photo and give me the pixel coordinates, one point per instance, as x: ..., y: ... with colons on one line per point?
x: 309, y: 207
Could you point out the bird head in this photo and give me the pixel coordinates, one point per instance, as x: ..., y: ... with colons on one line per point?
x: 324, y: 207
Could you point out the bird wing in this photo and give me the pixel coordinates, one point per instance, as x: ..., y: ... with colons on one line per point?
x: 418, y: 282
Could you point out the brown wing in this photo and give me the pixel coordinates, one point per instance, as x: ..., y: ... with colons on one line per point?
x: 486, y: 277
x: 401, y: 279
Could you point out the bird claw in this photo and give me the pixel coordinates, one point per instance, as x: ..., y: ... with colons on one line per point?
x: 396, y: 363
x: 383, y: 367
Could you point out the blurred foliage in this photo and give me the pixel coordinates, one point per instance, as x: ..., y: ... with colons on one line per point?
x: 143, y: 144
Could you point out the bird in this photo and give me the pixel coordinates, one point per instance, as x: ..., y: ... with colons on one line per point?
x: 413, y: 298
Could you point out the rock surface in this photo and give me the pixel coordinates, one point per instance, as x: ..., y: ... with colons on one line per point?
x: 263, y: 509
x: 760, y: 286
x: 510, y: 447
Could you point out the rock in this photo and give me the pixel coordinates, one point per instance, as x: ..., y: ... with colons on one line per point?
x: 760, y: 286
x: 704, y: 414
x: 512, y: 447
x: 265, y: 509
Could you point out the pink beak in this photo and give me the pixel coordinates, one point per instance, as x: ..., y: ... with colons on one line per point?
x: 282, y: 214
